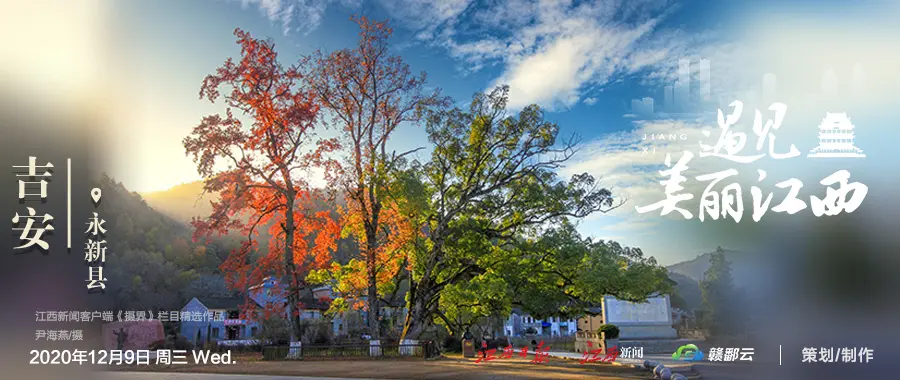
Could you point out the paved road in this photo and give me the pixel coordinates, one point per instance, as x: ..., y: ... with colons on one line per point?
x: 661, y: 358
x: 202, y: 376
x: 708, y: 370
x: 730, y: 371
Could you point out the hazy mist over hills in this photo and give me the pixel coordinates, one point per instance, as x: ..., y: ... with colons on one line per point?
x: 742, y: 264
x: 689, y: 274
x: 182, y: 202
x: 187, y: 201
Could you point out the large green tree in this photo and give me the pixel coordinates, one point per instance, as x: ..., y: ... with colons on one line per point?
x: 559, y: 273
x: 493, y: 201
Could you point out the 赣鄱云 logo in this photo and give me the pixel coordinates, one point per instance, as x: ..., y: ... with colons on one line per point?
x: 688, y: 352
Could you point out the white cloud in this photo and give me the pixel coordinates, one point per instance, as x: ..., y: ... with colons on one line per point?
x: 425, y: 15
x: 507, y: 14
x: 590, y: 101
x: 302, y: 16
x: 552, y: 53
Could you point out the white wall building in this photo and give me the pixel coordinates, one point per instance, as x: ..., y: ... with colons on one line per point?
x: 521, y: 323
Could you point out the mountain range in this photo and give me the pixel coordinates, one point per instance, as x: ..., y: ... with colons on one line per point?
x: 688, y: 275
x: 695, y: 269
x: 182, y: 202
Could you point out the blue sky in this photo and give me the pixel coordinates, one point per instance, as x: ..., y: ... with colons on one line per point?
x: 169, y: 46
x: 584, y: 62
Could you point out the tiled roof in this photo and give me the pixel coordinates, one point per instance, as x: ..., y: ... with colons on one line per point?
x: 272, y: 292
x: 212, y: 303
x: 219, y: 303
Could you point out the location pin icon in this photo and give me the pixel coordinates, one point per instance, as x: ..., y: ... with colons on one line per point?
x: 95, y: 196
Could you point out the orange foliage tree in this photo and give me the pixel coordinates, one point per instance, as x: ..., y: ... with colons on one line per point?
x: 259, y: 167
x: 368, y: 93
x: 391, y: 255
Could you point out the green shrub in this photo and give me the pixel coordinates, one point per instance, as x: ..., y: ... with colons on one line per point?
x: 612, y: 331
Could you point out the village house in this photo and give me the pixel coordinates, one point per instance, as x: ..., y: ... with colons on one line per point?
x: 520, y: 323
x: 653, y: 319
x: 219, y: 319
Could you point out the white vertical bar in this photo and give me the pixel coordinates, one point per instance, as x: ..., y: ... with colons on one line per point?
x: 69, y: 204
x: 779, y: 354
x: 705, y: 83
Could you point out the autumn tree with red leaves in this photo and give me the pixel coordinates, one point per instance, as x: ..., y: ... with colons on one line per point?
x: 258, y: 162
x: 368, y: 93
x: 392, y: 256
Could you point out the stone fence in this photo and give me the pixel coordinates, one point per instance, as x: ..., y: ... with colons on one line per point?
x: 374, y: 349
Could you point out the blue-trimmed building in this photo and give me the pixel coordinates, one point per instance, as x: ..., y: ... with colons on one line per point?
x: 214, y: 319
x: 207, y: 319
x: 520, y: 323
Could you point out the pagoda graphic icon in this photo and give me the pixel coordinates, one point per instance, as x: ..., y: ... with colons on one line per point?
x: 836, y: 138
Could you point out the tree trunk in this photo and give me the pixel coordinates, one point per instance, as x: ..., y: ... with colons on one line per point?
x: 422, y: 306
x: 416, y: 321
x: 419, y: 315
x: 293, y: 313
x: 293, y: 294
x: 372, y: 294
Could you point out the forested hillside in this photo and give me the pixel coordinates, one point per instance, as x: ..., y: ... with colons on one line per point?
x: 152, y: 263
x: 182, y: 202
x: 187, y: 201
